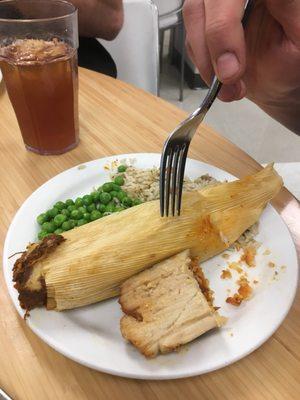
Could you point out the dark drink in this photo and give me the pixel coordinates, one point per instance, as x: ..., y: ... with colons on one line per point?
x: 42, y: 83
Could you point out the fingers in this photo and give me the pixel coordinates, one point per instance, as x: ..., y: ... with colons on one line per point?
x: 225, y: 38
x: 194, y: 19
x: 233, y: 92
x: 215, y: 42
x: 287, y: 13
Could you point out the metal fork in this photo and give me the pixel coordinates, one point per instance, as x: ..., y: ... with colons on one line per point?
x: 176, y: 147
x: 4, y: 396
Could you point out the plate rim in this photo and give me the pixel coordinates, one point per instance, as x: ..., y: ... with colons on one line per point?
x: 148, y: 376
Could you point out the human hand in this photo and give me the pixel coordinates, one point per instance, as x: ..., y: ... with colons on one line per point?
x: 262, y: 64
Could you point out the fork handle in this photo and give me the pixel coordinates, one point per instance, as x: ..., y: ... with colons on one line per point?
x: 216, y: 84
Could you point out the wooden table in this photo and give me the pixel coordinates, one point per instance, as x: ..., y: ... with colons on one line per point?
x: 117, y: 118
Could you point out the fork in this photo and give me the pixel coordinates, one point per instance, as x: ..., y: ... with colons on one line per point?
x: 174, y: 154
x: 3, y: 395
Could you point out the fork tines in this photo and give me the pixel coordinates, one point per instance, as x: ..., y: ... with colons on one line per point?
x: 171, y: 176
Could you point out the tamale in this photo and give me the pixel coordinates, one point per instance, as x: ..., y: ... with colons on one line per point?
x: 93, y: 260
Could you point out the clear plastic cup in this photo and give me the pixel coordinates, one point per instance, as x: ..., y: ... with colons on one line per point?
x: 38, y: 59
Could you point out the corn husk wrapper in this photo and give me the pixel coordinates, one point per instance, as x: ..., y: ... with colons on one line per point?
x: 95, y: 259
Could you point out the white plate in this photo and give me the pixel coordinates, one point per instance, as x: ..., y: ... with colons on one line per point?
x: 91, y: 335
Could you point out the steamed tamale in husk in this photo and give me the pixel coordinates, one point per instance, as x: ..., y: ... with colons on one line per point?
x: 90, y: 263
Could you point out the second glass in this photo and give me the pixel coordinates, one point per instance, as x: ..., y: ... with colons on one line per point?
x: 38, y: 58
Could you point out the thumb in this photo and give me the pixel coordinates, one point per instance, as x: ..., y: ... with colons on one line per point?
x: 287, y: 13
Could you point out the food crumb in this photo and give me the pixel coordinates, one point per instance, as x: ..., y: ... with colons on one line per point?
x: 283, y: 267
x: 271, y: 264
x: 244, y: 292
x: 255, y: 282
x: 226, y: 274
x: 236, y: 267
x: 275, y: 276
x: 266, y: 252
x: 234, y: 300
x: 81, y: 166
x: 231, y: 334
x: 226, y: 256
x: 228, y: 291
x: 249, y: 256
x: 112, y: 165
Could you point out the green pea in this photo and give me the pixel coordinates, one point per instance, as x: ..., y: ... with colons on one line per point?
x: 69, y: 202
x: 95, y: 215
x: 59, y: 205
x: 122, y: 168
x: 105, y: 198
x: 113, y: 194
x: 58, y: 231
x: 91, y: 208
x: 48, y: 215
x: 51, y: 213
x: 41, y: 219
x: 136, y: 202
x: 107, y: 187
x: 65, y: 212
x: 76, y: 214
x: 101, y: 207
x: 73, y: 223
x: 81, y: 222
x: 71, y: 208
x: 82, y: 209
x: 66, y: 226
x: 59, y: 219
x: 95, y: 195
x: 119, y: 180
x: 121, y: 194
x: 87, y: 199
x: 78, y: 202
x: 87, y: 216
x: 127, y: 202
x: 48, y: 227
x: 42, y: 234
x: 116, y: 188
x: 110, y: 208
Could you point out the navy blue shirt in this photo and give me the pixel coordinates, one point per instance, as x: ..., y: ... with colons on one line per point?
x: 92, y: 55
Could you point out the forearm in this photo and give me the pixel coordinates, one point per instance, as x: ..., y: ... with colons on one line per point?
x: 99, y: 18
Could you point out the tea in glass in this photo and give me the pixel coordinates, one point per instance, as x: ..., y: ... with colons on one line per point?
x: 39, y: 67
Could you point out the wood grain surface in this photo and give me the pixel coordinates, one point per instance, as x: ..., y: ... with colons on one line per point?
x: 117, y: 118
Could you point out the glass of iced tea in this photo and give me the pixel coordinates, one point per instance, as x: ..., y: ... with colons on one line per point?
x: 38, y: 59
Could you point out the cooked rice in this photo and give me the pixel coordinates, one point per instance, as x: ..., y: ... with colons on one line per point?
x: 248, y: 237
x: 144, y: 185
